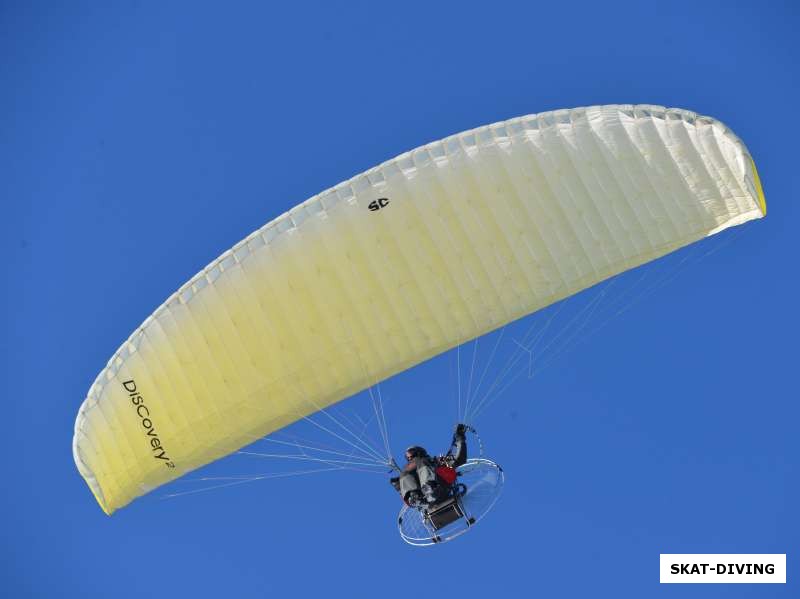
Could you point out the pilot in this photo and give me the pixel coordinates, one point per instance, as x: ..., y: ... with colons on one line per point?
x: 419, y: 484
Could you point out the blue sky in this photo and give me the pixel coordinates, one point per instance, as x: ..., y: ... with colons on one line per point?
x: 138, y: 140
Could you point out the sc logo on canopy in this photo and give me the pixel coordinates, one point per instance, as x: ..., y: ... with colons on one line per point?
x: 376, y: 205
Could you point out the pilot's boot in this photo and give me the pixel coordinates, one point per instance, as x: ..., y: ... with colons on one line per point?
x: 414, y: 498
x: 429, y: 492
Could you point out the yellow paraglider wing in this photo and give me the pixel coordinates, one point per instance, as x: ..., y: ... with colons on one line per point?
x: 396, y: 265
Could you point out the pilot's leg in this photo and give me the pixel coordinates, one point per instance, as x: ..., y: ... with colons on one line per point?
x: 427, y: 479
x: 409, y: 483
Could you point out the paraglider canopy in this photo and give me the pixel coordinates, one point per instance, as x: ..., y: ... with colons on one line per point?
x: 401, y: 263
